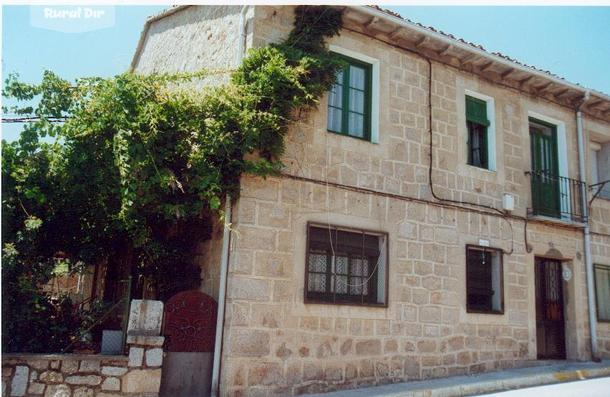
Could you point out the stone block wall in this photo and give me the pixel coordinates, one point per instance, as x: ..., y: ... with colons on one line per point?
x: 275, y: 343
x: 77, y: 375
x: 88, y: 375
x: 193, y: 39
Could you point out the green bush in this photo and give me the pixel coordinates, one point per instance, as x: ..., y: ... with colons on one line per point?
x: 141, y: 165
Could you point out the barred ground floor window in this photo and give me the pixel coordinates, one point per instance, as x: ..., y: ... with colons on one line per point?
x: 346, y: 266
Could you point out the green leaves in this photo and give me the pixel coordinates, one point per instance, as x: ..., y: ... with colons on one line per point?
x: 141, y: 164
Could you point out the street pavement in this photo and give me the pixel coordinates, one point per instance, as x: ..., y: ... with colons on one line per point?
x: 599, y: 387
x: 578, y: 379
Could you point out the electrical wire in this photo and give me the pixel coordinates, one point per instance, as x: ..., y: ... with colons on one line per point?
x: 431, y: 165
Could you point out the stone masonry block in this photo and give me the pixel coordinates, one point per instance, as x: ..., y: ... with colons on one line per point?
x: 112, y: 384
x: 145, y: 317
x: 57, y: 391
x: 36, y: 388
x: 145, y: 340
x: 136, y: 355
x: 154, y: 357
x: 142, y: 381
x: 51, y: 377
x: 89, y: 366
x: 83, y: 392
x: 114, y: 371
x: 249, y: 343
x: 368, y: 348
x: 91, y: 380
x: 19, y: 383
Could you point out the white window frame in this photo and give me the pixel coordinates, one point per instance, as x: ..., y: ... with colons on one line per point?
x: 594, y: 148
x: 374, y: 62
x: 491, y: 129
x: 562, y: 149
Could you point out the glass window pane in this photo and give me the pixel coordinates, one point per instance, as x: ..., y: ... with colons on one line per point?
x: 356, y: 268
x: 484, y: 280
x: 356, y: 125
x: 356, y: 101
x: 316, y: 282
x: 356, y: 77
x: 346, y: 278
x: 477, y: 149
x: 602, y: 287
x: 341, y: 285
x: 355, y: 287
x: 341, y: 265
x: 339, y: 77
x: 335, y: 98
x: 334, y: 119
x: 317, y: 262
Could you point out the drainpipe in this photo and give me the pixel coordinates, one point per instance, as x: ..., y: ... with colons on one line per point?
x: 586, y: 231
x: 226, y: 241
x: 222, y: 294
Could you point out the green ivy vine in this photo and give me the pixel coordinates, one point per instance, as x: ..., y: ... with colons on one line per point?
x: 140, y: 164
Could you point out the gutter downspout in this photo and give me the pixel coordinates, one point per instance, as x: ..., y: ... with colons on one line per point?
x: 586, y: 231
x: 226, y: 241
x: 222, y: 295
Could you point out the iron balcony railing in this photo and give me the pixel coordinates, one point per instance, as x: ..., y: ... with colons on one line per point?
x: 556, y: 196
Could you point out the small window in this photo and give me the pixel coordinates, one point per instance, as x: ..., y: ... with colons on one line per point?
x: 477, y: 125
x: 600, y: 169
x: 345, y: 266
x: 349, y: 100
x: 602, y: 290
x: 484, y: 280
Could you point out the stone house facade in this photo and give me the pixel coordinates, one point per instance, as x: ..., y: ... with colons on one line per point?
x: 348, y: 270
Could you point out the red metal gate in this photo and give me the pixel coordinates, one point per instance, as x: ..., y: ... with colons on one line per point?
x: 189, y: 327
x: 190, y: 322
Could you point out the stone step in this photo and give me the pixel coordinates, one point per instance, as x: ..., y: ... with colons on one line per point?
x: 543, y: 373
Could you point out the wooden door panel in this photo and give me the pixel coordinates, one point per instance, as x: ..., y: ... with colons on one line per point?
x: 550, y: 323
x: 545, y: 166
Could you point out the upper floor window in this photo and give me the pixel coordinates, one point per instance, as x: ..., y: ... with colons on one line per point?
x: 602, y: 290
x: 484, y: 280
x: 345, y: 266
x: 477, y: 123
x: 349, y: 100
x: 599, y: 155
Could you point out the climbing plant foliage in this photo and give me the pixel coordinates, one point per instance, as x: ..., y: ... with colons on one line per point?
x: 139, y: 168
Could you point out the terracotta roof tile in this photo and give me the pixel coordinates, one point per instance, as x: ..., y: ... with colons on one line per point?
x: 478, y: 46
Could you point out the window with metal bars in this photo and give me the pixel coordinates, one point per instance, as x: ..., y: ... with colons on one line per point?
x: 345, y: 266
x: 484, y: 291
x: 349, y: 100
x: 602, y: 292
x: 477, y: 125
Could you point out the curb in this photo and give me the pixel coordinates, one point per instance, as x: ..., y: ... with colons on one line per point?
x: 490, y: 382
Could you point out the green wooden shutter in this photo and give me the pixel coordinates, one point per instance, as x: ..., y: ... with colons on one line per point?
x: 476, y: 111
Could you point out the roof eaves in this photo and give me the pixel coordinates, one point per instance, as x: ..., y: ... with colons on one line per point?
x: 394, y: 17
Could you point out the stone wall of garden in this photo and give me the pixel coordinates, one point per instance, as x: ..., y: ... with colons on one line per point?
x: 88, y: 375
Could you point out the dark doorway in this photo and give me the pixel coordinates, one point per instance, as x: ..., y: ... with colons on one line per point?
x: 550, y: 322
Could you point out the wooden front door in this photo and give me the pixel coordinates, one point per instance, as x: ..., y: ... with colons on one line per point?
x: 550, y: 322
x: 545, y: 169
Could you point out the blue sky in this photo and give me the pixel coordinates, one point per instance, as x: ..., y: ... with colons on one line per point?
x: 572, y: 42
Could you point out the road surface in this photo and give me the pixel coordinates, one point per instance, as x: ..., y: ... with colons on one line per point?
x: 599, y: 387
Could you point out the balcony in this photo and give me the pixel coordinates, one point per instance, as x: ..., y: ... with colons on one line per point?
x: 556, y: 197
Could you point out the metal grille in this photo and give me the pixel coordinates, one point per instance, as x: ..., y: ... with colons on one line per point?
x: 556, y: 196
x: 342, y: 266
